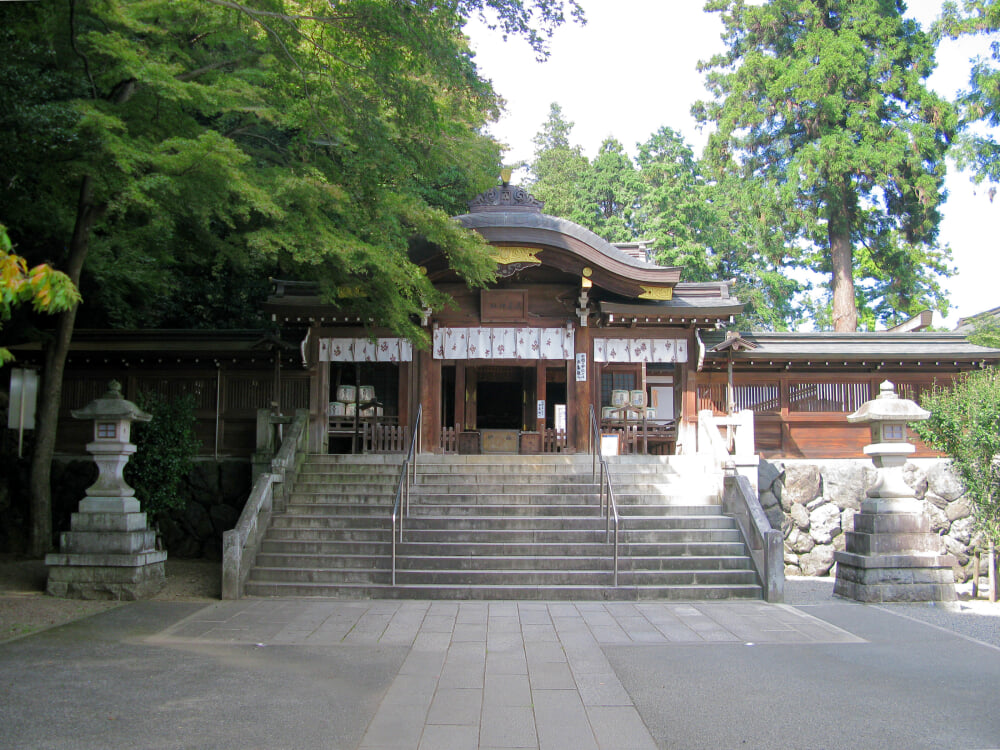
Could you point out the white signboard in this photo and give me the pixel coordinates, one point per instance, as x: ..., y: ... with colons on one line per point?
x: 23, y: 395
x: 560, y: 416
x: 540, y: 409
x: 581, y: 367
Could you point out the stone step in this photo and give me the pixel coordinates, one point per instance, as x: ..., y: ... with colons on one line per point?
x: 495, y: 593
x: 505, y: 577
x: 494, y: 487
x: 502, y: 527
x: 569, y: 536
x: 293, y: 559
x: 319, y: 542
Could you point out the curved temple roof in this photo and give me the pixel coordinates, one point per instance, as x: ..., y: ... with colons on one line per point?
x: 510, y: 217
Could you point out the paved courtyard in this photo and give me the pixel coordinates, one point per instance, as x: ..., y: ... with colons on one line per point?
x: 444, y: 675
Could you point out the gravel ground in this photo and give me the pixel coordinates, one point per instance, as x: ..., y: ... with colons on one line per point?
x: 971, y: 618
x: 25, y: 608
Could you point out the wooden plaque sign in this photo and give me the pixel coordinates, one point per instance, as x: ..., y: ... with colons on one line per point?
x: 503, y: 306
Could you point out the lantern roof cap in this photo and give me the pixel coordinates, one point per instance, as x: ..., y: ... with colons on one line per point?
x: 889, y: 407
x: 112, y: 405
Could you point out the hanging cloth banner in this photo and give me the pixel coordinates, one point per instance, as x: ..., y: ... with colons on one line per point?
x: 651, y: 351
x: 365, y: 350
x: 504, y: 343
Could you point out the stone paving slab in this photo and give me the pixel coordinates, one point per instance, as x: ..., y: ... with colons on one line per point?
x: 503, y: 674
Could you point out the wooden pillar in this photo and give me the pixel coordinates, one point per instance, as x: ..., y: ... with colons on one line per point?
x: 319, y: 398
x: 460, y: 394
x: 430, y: 399
x: 689, y: 394
x: 785, y: 395
x: 578, y: 394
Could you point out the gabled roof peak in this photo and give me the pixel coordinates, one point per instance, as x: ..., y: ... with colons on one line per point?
x: 506, y: 198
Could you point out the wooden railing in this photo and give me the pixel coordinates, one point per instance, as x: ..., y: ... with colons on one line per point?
x: 642, y: 436
x: 449, y: 439
x: 554, y: 441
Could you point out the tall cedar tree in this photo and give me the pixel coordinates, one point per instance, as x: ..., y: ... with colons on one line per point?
x: 980, y: 103
x: 823, y: 104
x: 559, y: 168
x: 714, y: 229
x: 141, y: 137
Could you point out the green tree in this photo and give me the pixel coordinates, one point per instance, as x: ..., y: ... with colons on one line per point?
x: 715, y: 229
x: 965, y: 424
x: 45, y: 289
x: 142, y: 138
x: 559, y: 168
x: 977, y: 150
x: 610, y: 194
x: 824, y: 103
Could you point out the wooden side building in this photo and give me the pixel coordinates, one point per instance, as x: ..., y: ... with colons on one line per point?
x: 573, y: 326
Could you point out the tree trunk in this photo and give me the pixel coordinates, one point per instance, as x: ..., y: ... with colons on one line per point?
x: 845, y: 310
x: 52, y: 380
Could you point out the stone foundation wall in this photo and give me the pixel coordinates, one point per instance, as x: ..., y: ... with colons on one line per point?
x: 215, y: 491
x: 814, y: 502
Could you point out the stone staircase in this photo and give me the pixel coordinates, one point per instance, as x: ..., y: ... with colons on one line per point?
x: 504, y: 527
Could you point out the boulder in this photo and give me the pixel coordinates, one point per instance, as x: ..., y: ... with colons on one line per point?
x: 234, y: 481
x: 916, y: 478
x: 800, y: 516
x: 803, y: 484
x: 775, y: 516
x: 767, y: 499
x: 944, y: 482
x: 223, y: 517
x: 847, y: 520
x: 824, y: 523
x: 936, y: 500
x: 792, y: 570
x: 844, y: 484
x: 939, y: 521
x: 800, y: 542
x: 962, y: 529
x: 768, y: 474
x: 196, y: 519
x: 961, y: 508
x: 956, y: 548
x: 818, y: 561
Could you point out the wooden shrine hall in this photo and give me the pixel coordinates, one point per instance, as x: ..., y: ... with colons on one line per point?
x: 572, y: 325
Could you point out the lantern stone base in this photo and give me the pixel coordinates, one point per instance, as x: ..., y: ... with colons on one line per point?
x: 107, y: 555
x: 893, y: 557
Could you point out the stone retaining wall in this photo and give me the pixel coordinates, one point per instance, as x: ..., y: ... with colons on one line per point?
x: 813, y: 503
x: 215, y: 490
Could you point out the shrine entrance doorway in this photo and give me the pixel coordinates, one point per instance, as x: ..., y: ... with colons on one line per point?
x: 501, y: 408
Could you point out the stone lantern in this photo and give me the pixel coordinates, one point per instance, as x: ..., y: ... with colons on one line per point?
x: 892, y: 555
x: 109, y: 553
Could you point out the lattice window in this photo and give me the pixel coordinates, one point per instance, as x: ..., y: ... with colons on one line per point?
x: 712, y: 396
x: 248, y: 393
x: 829, y: 397
x: 760, y: 398
x: 294, y: 394
x: 78, y: 392
x: 202, y: 388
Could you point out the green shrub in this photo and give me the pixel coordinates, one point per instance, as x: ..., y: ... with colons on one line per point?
x: 166, y: 446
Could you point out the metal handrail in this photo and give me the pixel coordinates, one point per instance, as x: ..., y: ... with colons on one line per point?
x: 401, y: 503
x: 611, y: 510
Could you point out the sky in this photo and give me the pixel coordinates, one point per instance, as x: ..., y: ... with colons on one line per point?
x: 633, y: 69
